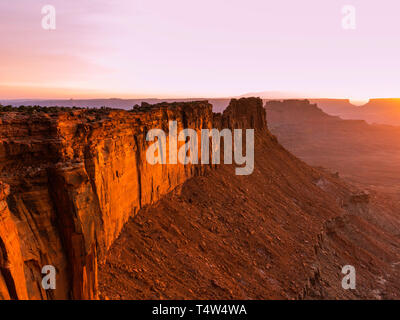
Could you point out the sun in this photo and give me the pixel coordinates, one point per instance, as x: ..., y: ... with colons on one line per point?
x: 358, y: 101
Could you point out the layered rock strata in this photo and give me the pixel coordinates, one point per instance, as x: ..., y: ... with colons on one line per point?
x: 70, y: 180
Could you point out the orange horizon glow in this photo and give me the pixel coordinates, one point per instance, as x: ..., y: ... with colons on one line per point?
x: 46, y: 93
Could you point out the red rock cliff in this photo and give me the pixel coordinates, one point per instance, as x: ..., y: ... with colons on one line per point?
x: 71, y: 180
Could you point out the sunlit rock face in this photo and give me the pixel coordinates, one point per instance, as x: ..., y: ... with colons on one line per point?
x: 72, y: 179
x: 12, y: 279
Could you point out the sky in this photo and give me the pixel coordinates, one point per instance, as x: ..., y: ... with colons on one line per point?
x: 208, y: 48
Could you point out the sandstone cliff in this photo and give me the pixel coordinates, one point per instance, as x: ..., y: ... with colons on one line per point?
x: 70, y: 180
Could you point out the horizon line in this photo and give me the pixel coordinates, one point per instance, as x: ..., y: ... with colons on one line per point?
x: 200, y: 97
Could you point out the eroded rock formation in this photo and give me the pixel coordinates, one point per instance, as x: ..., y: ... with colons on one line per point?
x: 71, y: 180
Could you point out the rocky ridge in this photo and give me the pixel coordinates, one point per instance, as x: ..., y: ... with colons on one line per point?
x: 72, y: 179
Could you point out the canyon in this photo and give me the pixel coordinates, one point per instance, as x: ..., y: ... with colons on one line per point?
x: 77, y: 192
x: 361, y: 152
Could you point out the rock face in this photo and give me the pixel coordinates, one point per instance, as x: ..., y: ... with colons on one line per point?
x: 71, y: 180
x: 12, y: 279
x: 244, y: 113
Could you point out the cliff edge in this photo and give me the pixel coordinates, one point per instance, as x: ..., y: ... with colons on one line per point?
x: 72, y: 178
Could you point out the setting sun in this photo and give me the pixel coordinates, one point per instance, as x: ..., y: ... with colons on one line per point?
x: 359, y: 101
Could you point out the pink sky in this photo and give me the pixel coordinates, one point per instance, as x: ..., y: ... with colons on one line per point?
x: 208, y: 48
